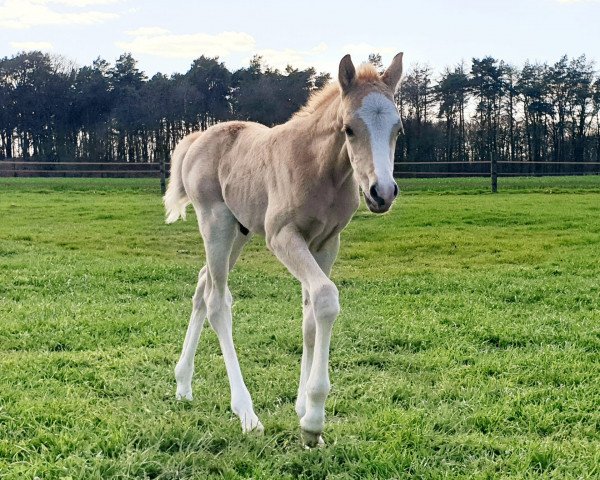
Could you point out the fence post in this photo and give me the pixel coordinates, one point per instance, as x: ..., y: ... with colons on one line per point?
x: 163, y: 182
x: 494, y: 172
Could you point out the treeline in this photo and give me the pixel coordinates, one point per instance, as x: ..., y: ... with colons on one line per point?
x: 52, y: 110
x: 491, y: 110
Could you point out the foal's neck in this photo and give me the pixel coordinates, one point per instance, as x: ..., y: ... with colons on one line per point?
x: 324, y: 127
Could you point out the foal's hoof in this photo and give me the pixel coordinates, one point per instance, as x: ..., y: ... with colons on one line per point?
x: 312, y: 439
x: 184, y: 394
x: 251, y: 424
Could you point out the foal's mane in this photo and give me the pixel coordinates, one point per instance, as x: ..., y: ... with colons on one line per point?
x: 365, y: 73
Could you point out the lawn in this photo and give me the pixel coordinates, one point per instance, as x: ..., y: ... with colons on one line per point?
x: 468, y: 345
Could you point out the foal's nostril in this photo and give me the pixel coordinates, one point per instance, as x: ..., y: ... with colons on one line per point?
x: 395, y: 190
x: 373, y: 191
x: 375, y: 196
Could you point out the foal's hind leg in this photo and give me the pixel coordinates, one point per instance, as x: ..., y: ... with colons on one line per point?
x: 184, y: 370
x: 219, y: 228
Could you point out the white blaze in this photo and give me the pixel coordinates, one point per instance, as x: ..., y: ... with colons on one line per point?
x: 380, y: 116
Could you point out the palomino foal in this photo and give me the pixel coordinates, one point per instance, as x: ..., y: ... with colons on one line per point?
x: 298, y: 185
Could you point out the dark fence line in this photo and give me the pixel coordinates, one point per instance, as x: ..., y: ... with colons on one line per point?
x: 503, y: 168
x: 23, y: 168
x: 30, y: 168
x: 16, y: 168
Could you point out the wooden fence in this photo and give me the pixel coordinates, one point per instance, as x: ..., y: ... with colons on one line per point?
x: 160, y: 170
x: 503, y: 169
x: 27, y: 168
x: 23, y: 168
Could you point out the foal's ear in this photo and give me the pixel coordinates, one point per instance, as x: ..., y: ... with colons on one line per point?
x: 347, y: 73
x: 392, y: 75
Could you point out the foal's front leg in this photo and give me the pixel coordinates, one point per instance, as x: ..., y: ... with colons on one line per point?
x: 325, y: 257
x: 308, y: 348
x: 289, y: 246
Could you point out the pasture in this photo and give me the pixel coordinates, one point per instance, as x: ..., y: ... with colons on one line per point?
x: 468, y: 345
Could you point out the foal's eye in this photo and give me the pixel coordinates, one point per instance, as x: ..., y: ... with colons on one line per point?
x: 348, y: 131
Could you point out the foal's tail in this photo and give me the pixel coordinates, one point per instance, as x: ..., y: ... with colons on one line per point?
x: 176, y: 199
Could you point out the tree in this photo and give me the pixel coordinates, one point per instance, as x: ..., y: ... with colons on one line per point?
x: 510, y: 104
x: 207, y: 99
x: 415, y: 100
x: 267, y: 96
x: 452, y: 92
x: 375, y: 60
x: 581, y: 81
x: 488, y: 87
x: 532, y: 87
x: 93, y: 104
x: 127, y: 81
x: 7, y: 110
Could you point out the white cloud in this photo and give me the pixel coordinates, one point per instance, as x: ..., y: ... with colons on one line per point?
x: 296, y: 58
x: 80, y: 3
x: 238, y: 46
x: 162, y: 43
x: 147, y: 31
x: 21, y: 14
x: 28, y: 46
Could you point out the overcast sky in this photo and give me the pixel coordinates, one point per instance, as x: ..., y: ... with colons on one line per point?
x: 166, y: 35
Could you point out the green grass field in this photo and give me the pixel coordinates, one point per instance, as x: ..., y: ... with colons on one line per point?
x: 468, y: 345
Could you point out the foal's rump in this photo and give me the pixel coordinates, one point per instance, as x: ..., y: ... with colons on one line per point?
x: 221, y: 164
x: 195, y: 166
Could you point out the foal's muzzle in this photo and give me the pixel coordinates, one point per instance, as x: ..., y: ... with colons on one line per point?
x: 379, y: 200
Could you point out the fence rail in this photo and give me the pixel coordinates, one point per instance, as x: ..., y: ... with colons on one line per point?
x: 479, y: 168
x: 494, y: 170
x: 23, y: 168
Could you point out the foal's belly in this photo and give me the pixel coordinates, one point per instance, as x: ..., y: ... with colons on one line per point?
x: 248, y: 205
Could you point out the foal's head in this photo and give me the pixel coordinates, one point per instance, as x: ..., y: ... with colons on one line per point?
x: 371, y: 124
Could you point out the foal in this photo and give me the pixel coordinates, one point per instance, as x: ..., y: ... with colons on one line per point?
x: 297, y: 184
